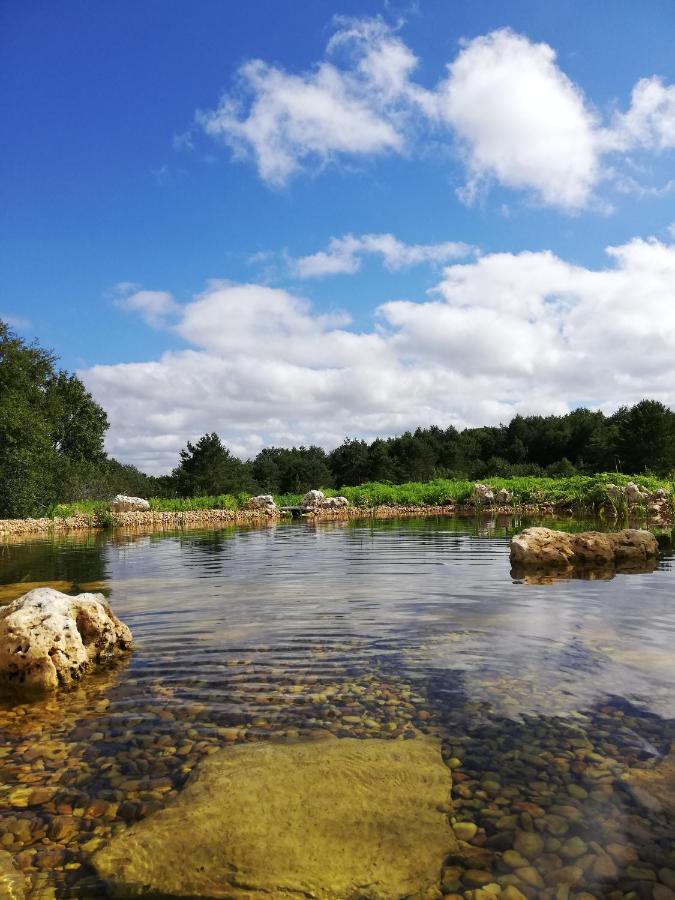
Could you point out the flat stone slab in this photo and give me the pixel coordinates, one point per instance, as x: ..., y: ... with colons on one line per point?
x: 330, y: 819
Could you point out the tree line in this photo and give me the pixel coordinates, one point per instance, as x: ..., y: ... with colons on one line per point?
x: 52, y: 433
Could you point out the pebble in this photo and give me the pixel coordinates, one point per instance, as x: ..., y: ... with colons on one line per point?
x: 464, y: 831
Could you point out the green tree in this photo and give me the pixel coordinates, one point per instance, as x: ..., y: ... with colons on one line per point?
x: 645, y: 438
x: 208, y: 468
x: 49, y: 424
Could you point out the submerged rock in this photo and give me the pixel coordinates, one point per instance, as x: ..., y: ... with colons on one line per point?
x: 655, y: 787
x: 330, y: 819
x: 11, y: 880
x: 122, y: 503
x: 49, y: 639
x: 547, y: 547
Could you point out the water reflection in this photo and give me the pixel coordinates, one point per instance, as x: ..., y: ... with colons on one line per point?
x: 551, y: 690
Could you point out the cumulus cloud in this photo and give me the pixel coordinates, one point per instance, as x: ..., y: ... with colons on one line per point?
x: 505, y: 333
x: 649, y: 122
x: 344, y: 254
x: 284, y: 119
x: 156, y: 308
x: 505, y: 106
x: 520, y: 120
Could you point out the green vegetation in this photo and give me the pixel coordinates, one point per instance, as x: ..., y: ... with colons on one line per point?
x: 52, y: 458
x: 584, y: 493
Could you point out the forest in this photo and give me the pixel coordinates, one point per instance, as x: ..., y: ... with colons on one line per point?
x: 52, y: 436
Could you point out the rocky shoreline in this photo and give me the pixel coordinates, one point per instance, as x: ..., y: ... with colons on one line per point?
x: 200, y: 518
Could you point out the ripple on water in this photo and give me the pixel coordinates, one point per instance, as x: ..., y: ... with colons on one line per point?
x: 545, y: 696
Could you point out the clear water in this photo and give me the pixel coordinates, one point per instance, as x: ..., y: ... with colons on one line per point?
x: 366, y: 629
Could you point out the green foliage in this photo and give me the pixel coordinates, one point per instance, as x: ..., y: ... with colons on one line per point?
x: 49, y: 425
x: 188, y: 504
x: 278, y: 470
x: 208, y: 467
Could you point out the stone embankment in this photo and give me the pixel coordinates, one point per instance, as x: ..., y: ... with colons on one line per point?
x: 134, y: 512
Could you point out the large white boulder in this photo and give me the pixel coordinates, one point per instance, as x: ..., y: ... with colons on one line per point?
x: 122, y: 503
x: 313, y: 499
x: 49, y: 639
x: 483, y: 493
x: 335, y: 503
x: 263, y: 502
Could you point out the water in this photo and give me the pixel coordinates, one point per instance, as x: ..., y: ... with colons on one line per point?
x: 359, y: 629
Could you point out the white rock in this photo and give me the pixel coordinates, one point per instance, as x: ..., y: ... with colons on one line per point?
x: 48, y: 639
x: 504, y: 496
x: 483, y: 493
x: 122, y: 503
x: 312, y: 499
x: 335, y: 503
x: 263, y: 502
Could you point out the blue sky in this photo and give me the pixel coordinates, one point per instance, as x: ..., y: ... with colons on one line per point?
x: 150, y: 168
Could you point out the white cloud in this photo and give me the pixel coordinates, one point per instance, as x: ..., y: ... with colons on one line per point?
x: 156, y: 308
x: 520, y: 120
x: 284, y: 120
x: 506, y: 333
x: 509, y: 111
x: 343, y: 255
x: 649, y: 121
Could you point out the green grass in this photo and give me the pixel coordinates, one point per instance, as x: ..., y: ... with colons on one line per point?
x: 581, y: 492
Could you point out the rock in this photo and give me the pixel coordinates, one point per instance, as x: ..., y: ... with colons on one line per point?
x: 335, y: 503
x: 316, y: 818
x: 313, y: 499
x: 504, y: 497
x: 655, y: 787
x: 661, y: 892
x: 529, y: 844
x: 122, y: 503
x: 483, y: 493
x: 514, y: 860
x: 547, y: 547
x: 263, y: 502
x: 464, y: 831
x: 573, y: 847
x: 11, y: 880
x: 48, y: 639
x: 316, y: 500
x: 634, y: 496
x: 476, y: 877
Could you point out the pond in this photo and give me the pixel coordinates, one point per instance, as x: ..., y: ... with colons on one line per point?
x: 545, y: 696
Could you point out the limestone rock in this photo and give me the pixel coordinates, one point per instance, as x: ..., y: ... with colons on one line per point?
x: 313, y: 499
x: 11, y: 880
x: 335, y: 503
x: 483, y: 493
x: 634, y: 495
x: 547, y: 547
x: 329, y: 819
x: 122, y: 503
x: 504, y: 497
x: 48, y: 639
x: 263, y: 502
x: 655, y: 788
